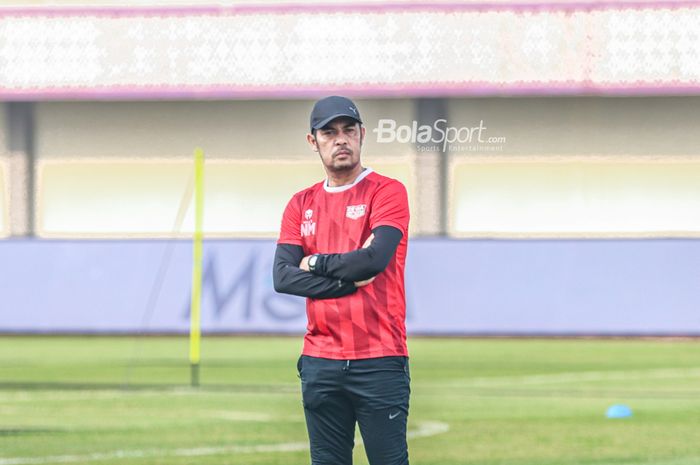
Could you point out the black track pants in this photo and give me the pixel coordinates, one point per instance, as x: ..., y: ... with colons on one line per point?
x: 374, y: 392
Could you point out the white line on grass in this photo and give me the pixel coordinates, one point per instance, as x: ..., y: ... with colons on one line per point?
x: 237, y: 415
x: 495, y: 381
x: 680, y: 461
x: 243, y: 416
x: 574, y: 377
x: 425, y: 429
x: 110, y: 394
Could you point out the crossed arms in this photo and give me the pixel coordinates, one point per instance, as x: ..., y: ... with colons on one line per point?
x: 335, y: 275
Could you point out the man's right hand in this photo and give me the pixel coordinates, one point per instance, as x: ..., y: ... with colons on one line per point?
x: 365, y: 282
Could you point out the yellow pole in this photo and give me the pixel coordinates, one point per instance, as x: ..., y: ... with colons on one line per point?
x: 195, y: 307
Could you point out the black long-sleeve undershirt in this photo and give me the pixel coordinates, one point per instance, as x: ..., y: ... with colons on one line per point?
x: 288, y: 278
x: 361, y: 264
x: 334, y: 274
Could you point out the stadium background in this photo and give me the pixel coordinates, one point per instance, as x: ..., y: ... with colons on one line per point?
x: 580, y: 217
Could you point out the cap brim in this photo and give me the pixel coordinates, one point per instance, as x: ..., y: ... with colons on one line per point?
x: 322, y: 123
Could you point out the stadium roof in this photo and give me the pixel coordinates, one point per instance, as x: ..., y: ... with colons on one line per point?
x: 289, y: 50
x: 141, y: 3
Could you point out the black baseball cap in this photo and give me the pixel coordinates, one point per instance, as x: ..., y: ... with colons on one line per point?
x: 329, y: 108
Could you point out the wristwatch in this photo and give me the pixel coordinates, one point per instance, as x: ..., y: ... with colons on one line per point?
x: 312, y: 262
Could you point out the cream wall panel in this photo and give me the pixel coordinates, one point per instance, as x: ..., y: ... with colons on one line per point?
x: 582, y: 197
x: 126, y: 198
x: 582, y: 126
x: 240, y: 129
x: 4, y: 178
x: 3, y: 129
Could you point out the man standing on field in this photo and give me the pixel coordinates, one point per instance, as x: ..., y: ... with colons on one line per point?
x: 343, y: 246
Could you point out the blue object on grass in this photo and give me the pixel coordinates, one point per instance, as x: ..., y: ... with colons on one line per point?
x: 618, y: 411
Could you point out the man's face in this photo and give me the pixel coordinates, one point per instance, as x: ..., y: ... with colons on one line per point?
x: 338, y: 144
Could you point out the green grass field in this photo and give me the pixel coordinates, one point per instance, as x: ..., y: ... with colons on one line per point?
x: 474, y: 401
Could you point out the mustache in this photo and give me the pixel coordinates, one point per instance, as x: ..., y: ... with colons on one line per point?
x: 342, y: 151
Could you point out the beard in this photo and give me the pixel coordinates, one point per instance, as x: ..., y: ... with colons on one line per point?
x: 344, y: 165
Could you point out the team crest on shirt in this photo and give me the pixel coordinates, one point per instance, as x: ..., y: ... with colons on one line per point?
x: 308, y: 226
x: 355, y: 211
